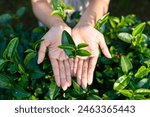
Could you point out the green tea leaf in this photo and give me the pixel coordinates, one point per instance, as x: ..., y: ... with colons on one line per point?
x: 77, y: 87
x: 82, y: 52
x: 142, y: 91
x: 5, y: 18
x: 2, y: 62
x: 112, y: 23
x: 142, y: 83
x: 146, y: 53
x: 139, y: 29
x: 121, y: 82
x: 126, y: 37
x: 53, y: 90
x: 29, y: 57
x: 82, y: 45
x: 21, y: 69
x: 5, y: 82
x: 93, y: 97
x: 142, y: 71
x: 126, y: 65
x: 69, y: 47
x: 56, y: 12
x: 19, y: 92
x: 102, y: 21
x: 127, y: 93
x: 11, y: 48
x: 37, y: 74
x: 67, y: 39
x: 20, y: 12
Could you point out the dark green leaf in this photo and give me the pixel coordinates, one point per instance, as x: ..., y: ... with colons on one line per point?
x: 121, y: 82
x: 21, y: 69
x: 2, y: 62
x: 147, y: 53
x: 82, y: 45
x: 19, y: 92
x: 11, y: 48
x: 53, y: 90
x: 29, y: 57
x: 127, y: 93
x: 5, y: 82
x: 67, y: 39
x: 5, y: 18
x: 126, y: 65
x: 82, y: 52
x: 143, y: 83
x: 20, y: 12
x: 110, y: 95
x: 126, y: 37
x: 93, y: 97
x: 77, y: 87
x: 142, y: 71
x: 13, y: 68
x: 29, y: 51
x: 142, y: 91
x: 139, y: 29
x: 37, y: 74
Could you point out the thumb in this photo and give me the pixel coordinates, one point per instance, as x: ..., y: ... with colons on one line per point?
x: 42, y: 51
x: 103, y: 46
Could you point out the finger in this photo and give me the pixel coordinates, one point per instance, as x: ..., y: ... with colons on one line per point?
x: 41, y: 53
x: 71, y: 66
x: 103, y: 46
x: 55, y: 68
x: 75, y: 66
x: 79, y: 71
x: 62, y: 75
x: 68, y: 72
x: 84, y: 73
x: 91, y: 67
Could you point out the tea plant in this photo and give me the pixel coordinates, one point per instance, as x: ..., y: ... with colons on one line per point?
x: 125, y: 76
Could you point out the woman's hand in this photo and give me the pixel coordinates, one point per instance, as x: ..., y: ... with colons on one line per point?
x: 59, y: 60
x: 84, y: 66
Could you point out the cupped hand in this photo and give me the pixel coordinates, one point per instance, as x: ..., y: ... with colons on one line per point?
x: 84, y: 67
x: 59, y: 60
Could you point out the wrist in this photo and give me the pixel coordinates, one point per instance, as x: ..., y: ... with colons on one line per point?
x: 56, y: 21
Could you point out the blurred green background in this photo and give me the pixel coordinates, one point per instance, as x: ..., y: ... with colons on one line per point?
x: 117, y: 8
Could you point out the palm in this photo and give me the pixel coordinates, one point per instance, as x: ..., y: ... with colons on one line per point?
x: 59, y: 60
x: 86, y: 66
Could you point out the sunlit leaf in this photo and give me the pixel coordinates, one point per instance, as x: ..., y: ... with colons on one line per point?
x: 126, y: 65
x: 82, y: 52
x: 82, y: 45
x: 138, y: 29
x: 121, y: 82
x: 142, y: 71
x: 126, y: 37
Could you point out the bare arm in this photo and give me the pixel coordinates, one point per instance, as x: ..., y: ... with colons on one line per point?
x: 95, y: 10
x: 42, y: 10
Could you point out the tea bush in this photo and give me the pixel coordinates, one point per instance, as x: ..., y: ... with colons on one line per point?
x: 125, y: 76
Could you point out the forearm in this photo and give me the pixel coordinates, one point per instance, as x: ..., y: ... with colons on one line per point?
x: 95, y: 10
x: 42, y: 11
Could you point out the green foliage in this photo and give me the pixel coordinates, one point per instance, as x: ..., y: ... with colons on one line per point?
x: 70, y: 48
x: 60, y: 9
x: 125, y: 76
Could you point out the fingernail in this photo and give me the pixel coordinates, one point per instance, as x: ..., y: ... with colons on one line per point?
x: 64, y: 88
x: 38, y: 61
x: 90, y: 82
x: 109, y: 55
